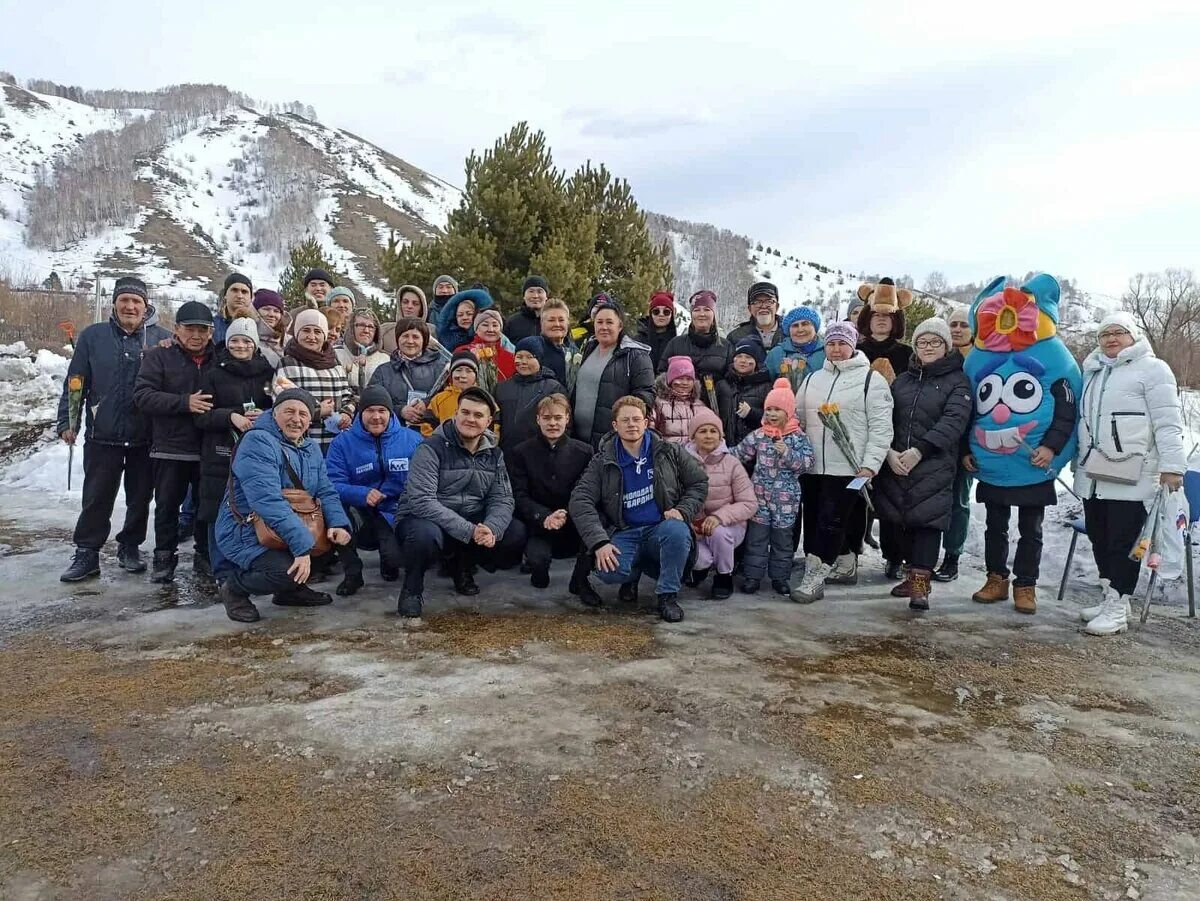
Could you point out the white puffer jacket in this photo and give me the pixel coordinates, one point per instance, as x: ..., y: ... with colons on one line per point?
x: 865, y: 411
x: 1130, y: 407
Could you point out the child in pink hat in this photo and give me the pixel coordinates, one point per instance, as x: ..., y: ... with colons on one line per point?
x: 677, y: 401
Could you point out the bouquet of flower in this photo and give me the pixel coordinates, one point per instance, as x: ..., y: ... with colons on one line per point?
x: 74, y: 410
x: 489, y: 377
x: 831, y: 418
x: 710, y: 391
x: 793, y: 370
x: 574, y: 361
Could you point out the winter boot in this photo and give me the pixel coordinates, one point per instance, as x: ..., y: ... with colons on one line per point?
x: 781, y: 586
x: 904, y: 589
x: 540, y: 577
x: 389, y: 573
x: 628, y: 592
x: 579, y: 575
x: 669, y: 609
x: 722, y: 586
x: 409, y: 606
x: 894, y: 570
x: 994, y: 590
x: 464, y: 582
x: 948, y: 571
x: 130, y: 558
x: 695, y: 577
x: 918, y: 589
x: 812, y: 586
x: 85, y: 565
x: 349, y: 585
x: 238, y: 607
x: 1025, y: 598
x: 164, y: 567
x: 201, y: 567
x: 588, y: 596
x: 844, y: 572
x: 1113, y: 617
x: 1087, y: 614
x: 751, y: 586
x: 301, y: 596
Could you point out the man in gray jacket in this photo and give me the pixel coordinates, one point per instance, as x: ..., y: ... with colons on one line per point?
x: 458, y: 497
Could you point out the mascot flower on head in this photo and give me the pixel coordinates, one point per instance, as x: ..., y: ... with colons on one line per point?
x: 1026, y: 384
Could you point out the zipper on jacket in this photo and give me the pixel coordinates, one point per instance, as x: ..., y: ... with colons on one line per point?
x: 825, y: 431
x: 912, y: 411
x: 1095, y: 427
x: 1115, y: 432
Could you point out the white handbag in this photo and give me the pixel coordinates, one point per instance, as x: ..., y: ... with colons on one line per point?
x: 1100, y: 467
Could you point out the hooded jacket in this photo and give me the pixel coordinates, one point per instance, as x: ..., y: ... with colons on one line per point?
x: 732, y: 391
x: 865, y: 403
x: 259, y: 477
x: 454, y: 488
x: 543, y: 475
x: 387, y: 330
x: 233, y: 384
x: 932, y: 409
x: 108, y: 359
x: 449, y: 333
x: 628, y: 372
x: 518, y: 398
x: 359, y: 375
x: 167, y: 377
x: 654, y: 339
x: 409, y: 380
x: 731, y: 496
x: 359, y: 462
x: 1129, y: 407
x: 596, y: 501
x: 525, y: 323
x: 711, y: 355
x: 270, y: 342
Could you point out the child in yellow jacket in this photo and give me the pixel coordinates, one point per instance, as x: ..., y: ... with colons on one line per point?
x: 464, y: 373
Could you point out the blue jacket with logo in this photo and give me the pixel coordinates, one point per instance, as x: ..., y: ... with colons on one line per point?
x: 358, y: 461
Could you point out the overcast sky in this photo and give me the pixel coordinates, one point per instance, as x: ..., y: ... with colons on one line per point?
x: 885, y: 136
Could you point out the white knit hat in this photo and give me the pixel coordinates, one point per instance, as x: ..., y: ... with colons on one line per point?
x: 243, y: 327
x: 1121, y: 319
x: 933, y: 326
x: 311, y: 317
x: 959, y: 310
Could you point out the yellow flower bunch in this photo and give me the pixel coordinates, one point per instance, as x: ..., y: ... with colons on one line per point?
x: 830, y: 409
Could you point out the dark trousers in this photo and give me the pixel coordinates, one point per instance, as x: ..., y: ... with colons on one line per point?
x: 268, y: 574
x: 1113, y: 527
x: 918, y: 547
x: 834, y: 519
x: 893, y: 542
x: 545, y: 545
x: 768, y: 552
x: 1029, y: 546
x: 105, y: 467
x: 172, y: 480
x: 960, y: 514
x: 370, y: 532
x: 421, y: 543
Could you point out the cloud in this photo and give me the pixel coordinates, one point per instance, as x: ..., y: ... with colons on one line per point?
x: 487, y: 25
x: 635, y: 124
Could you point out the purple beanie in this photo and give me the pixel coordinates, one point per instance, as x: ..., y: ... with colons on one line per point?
x: 703, y: 299
x: 842, y: 331
x: 265, y: 297
x: 680, y: 368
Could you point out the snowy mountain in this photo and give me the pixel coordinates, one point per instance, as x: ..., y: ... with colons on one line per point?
x: 228, y: 188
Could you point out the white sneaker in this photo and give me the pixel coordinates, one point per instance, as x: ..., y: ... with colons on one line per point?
x: 812, y: 586
x: 1113, y: 618
x: 1087, y: 614
x: 845, y: 570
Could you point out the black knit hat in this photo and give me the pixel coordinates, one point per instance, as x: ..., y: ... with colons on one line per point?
x: 761, y: 288
x: 603, y: 301
x: 476, y: 393
x: 313, y: 274
x: 236, y: 278
x: 535, y: 281
x: 464, y: 358
x: 194, y: 313
x: 374, y: 396
x: 130, y: 285
x: 751, y: 348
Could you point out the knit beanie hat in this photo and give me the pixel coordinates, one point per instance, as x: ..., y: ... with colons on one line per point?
x: 296, y: 394
x: 317, y: 275
x: 130, y: 285
x: 1120, y: 319
x: 445, y: 280
x: 374, y: 396
x: 761, y: 288
x: 705, y: 416
x: 535, y: 281
x: 801, y: 314
x: 340, y: 292
x: 265, y: 297
x: 703, y: 299
x: 243, y: 327
x: 680, y: 368
x: 958, y: 311
x: 236, y: 278
x: 489, y: 313
x: 783, y: 397
x: 842, y: 331
x: 752, y: 349
x: 532, y: 345
x: 662, y: 299
x: 603, y: 301
x: 464, y: 358
x: 933, y: 326
x: 311, y: 317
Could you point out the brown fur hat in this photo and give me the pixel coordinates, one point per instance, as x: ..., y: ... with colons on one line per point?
x: 885, y: 297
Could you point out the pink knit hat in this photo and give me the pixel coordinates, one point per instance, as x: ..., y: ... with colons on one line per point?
x: 782, y: 396
x: 488, y: 314
x: 679, y: 368
x: 705, y: 416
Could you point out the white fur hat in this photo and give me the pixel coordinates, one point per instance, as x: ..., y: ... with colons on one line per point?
x: 1121, y: 319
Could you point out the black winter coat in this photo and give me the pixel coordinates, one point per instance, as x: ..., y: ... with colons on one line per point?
x: 748, y: 329
x: 168, y: 375
x: 734, y: 389
x: 542, y: 476
x: 108, y: 359
x: 629, y: 371
x: 710, y: 354
x: 518, y: 399
x: 654, y: 339
x: 932, y: 409
x: 233, y: 384
x: 522, y: 324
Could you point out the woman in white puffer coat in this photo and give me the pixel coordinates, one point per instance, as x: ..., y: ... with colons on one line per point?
x: 834, y: 518
x: 1130, y: 442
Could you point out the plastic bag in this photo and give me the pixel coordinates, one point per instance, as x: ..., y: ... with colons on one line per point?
x: 1167, y: 554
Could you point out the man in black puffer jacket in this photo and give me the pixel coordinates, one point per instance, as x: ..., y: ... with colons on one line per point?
x: 525, y: 323
x: 106, y: 361
x: 168, y: 394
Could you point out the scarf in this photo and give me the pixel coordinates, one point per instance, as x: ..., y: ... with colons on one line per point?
x: 703, y: 339
x: 324, y: 358
x: 775, y: 434
x: 807, y: 349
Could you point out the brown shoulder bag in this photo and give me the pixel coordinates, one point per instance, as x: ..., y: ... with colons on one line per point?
x: 303, y: 504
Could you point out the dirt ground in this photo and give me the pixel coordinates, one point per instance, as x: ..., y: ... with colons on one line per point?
x: 517, y: 747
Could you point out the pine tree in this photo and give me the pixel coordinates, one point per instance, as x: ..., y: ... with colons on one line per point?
x: 302, y: 257
x: 521, y: 215
x: 916, y: 313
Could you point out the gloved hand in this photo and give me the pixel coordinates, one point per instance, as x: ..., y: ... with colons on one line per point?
x: 910, y: 458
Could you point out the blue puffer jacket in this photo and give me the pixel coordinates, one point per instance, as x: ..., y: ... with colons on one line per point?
x: 259, y: 478
x: 786, y: 349
x: 449, y: 333
x: 358, y: 462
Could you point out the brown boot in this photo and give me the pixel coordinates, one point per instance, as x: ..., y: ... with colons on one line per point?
x: 904, y: 589
x: 1025, y: 598
x: 919, y: 581
x: 995, y: 589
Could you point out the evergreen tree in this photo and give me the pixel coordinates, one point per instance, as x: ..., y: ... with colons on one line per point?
x: 917, y: 312
x: 302, y: 257
x: 520, y: 215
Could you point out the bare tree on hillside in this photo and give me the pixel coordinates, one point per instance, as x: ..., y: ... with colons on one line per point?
x: 1166, y: 306
x: 719, y: 263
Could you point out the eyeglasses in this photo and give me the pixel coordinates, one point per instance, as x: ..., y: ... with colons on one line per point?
x: 930, y: 343
x: 1116, y: 333
x: 631, y: 420
x: 763, y: 302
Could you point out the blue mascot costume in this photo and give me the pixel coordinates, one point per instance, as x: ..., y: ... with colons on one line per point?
x: 1026, y: 386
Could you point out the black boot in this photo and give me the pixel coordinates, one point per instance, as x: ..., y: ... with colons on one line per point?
x: 164, y: 567
x: 349, y: 584
x: 130, y: 558
x: 201, y: 567
x: 628, y: 592
x: 892, y: 573
x: 781, y: 586
x: 669, y: 609
x: 588, y: 595
x: 389, y: 573
x: 409, y: 606
x: 464, y: 582
x: 85, y: 565
x: 722, y: 586
x: 751, y: 586
x: 301, y: 596
x: 695, y: 577
x: 579, y: 575
x: 948, y: 571
x: 238, y: 607
x: 540, y: 577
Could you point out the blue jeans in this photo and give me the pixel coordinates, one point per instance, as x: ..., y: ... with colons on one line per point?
x: 660, y: 550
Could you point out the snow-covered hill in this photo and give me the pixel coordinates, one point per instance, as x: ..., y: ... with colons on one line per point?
x: 228, y: 190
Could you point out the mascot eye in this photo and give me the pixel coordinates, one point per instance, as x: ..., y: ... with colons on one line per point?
x: 987, y: 395
x: 1022, y: 393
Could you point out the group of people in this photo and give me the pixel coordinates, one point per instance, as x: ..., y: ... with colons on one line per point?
x: 451, y: 437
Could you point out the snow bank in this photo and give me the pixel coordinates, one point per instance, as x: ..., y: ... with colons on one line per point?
x: 29, y: 388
